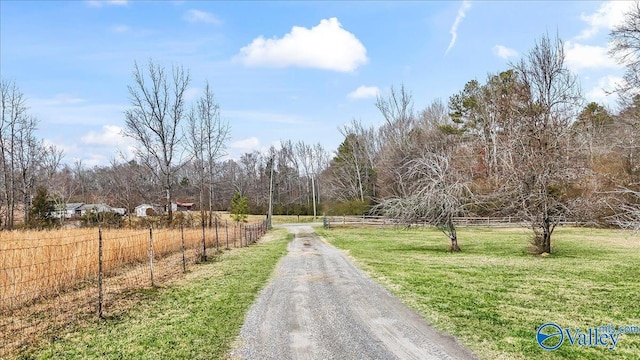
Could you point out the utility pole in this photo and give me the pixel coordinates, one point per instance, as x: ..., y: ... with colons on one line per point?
x: 313, y: 193
x: 270, y: 214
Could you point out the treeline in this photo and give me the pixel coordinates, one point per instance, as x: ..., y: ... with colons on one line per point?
x: 26, y: 162
x: 520, y: 143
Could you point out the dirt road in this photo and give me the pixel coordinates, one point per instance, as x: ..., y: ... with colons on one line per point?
x: 321, y: 306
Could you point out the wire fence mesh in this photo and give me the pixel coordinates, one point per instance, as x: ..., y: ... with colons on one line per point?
x: 50, y: 280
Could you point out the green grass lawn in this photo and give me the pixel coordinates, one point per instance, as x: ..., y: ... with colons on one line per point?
x: 198, y: 318
x: 494, y: 294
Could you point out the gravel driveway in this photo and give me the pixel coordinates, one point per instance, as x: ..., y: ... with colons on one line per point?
x: 319, y: 305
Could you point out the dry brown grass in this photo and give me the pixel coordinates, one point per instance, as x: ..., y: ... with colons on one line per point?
x: 40, y: 264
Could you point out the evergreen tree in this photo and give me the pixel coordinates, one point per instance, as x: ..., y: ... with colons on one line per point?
x: 41, y: 209
x: 239, y: 207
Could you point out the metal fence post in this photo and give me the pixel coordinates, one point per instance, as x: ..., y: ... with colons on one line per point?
x: 100, y: 273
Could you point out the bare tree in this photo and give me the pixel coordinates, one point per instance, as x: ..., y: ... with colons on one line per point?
x: 27, y: 152
x: 207, y: 135
x: 625, y: 39
x: 627, y: 209
x: 404, y: 139
x: 537, y: 146
x: 62, y: 186
x: 436, y: 194
x: 153, y: 121
x: 312, y: 159
x: 352, y: 171
x: 625, y: 47
x: 397, y: 142
x: 51, y: 161
x: 20, y: 151
x: 13, y: 107
x: 126, y: 184
x: 80, y: 173
x: 397, y: 110
x: 319, y: 162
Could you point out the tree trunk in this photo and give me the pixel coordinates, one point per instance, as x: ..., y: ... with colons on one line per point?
x: 546, y: 237
x: 542, y: 237
x: 169, y: 208
x: 454, y: 244
x: 313, y: 194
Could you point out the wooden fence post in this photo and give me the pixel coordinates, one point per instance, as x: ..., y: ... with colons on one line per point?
x: 226, y: 229
x: 100, y: 273
x: 204, y: 243
x: 217, y: 242
x: 184, y: 260
x: 151, y: 254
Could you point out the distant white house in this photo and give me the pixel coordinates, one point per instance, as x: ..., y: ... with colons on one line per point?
x: 95, y: 208
x: 120, y: 211
x: 67, y: 211
x: 71, y: 210
x: 144, y: 210
x: 153, y: 210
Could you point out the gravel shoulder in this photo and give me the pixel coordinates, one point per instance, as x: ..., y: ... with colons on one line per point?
x: 319, y: 305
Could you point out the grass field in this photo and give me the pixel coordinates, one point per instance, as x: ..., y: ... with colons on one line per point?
x: 198, y: 318
x: 494, y: 295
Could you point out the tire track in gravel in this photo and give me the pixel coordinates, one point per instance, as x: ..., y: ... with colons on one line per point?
x: 319, y: 305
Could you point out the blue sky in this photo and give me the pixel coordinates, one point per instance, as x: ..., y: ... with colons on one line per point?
x: 280, y: 70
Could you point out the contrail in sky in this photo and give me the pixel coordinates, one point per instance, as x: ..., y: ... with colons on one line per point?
x: 462, y: 12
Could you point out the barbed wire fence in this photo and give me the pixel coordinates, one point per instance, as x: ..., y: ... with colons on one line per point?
x: 54, y: 280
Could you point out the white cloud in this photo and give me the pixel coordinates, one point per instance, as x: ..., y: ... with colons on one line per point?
x: 110, y: 135
x: 62, y: 99
x: 325, y: 46
x: 199, y: 16
x: 364, y: 92
x: 462, y: 12
x: 120, y: 29
x: 608, y: 15
x: 262, y: 116
x: 66, y: 109
x: 603, y: 92
x: 578, y: 56
x: 246, y: 145
x: 504, y: 52
x: 100, y: 3
x: 191, y: 94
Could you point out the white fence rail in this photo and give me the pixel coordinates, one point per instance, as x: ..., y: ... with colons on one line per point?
x: 382, y: 221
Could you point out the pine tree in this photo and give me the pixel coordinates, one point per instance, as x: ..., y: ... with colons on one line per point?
x: 239, y: 207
